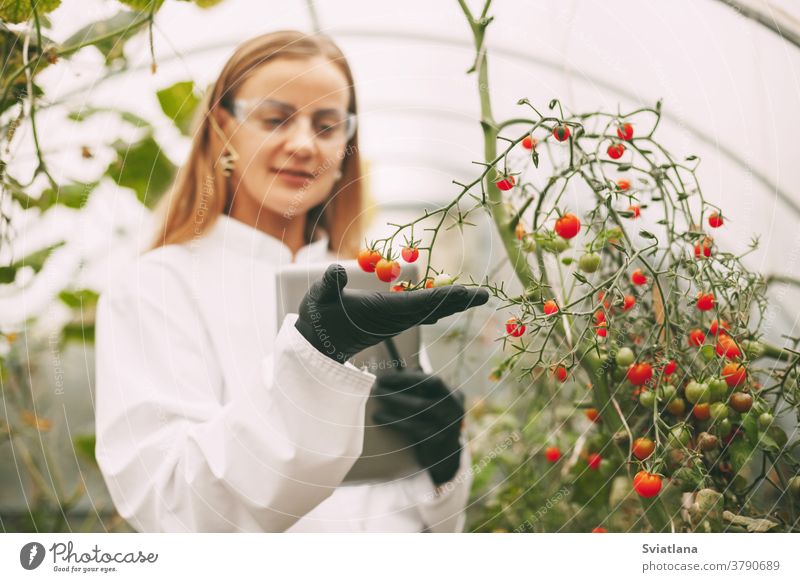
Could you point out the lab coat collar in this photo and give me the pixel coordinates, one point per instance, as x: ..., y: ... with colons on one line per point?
x: 232, y: 235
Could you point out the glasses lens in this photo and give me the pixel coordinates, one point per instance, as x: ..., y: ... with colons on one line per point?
x: 329, y: 126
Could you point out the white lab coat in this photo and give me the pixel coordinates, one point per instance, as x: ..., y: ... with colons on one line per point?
x: 210, y: 417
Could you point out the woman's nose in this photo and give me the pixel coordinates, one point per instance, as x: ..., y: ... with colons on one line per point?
x: 301, y: 136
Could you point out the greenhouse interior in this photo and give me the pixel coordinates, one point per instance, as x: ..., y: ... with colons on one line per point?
x: 567, y: 279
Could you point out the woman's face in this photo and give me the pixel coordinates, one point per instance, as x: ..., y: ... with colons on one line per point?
x: 284, y: 167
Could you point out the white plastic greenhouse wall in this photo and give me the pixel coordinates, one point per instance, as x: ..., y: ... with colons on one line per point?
x: 729, y: 84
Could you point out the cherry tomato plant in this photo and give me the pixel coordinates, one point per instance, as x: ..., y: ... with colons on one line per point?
x: 655, y: 334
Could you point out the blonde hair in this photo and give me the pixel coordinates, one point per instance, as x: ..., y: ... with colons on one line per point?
x: 195, y: 202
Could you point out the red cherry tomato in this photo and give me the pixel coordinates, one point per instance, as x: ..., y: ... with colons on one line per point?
x: 568, y: 226
x: 703, y: 248
x: 670, y: 368
x: 602, y: 329
x: 594, y: 461
x: 637, y: 211
x: 715, y: 220
x: 410, y: 254
x: 560, y: 373
x: 599, y: 529
x: 592, y: 414
x: 638, y: 277
x: 623, y: 184
x: 625, y: 131
x: 697, y: 337
x: 514, y: 328
x: 615, y: 151
x: 640, y: 373
x: 387, y: 271
x: 529, y: 143
x: 506, y: 183
x: 550, y: 307
x: 368, y: 259
x: 642, y: 448
x: 702, y: 411
x: 726, y: 346
x: 705, y: 301
x: 646, y: 484
x: 552, y: 454
x: 734, y: 373
x: 628, y: 302
x: 561, y: 132
x: 716, y: 324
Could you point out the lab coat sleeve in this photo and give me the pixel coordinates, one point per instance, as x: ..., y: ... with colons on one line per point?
x: 442, y: 508
x: 176, y: 457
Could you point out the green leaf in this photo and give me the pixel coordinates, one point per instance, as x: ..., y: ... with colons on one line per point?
x: 179, y: 102
x: 750, y: 427
x: 127, y: 116
x: 206, y: 3
x: 78, y: 332
x: 740, y: 453
x: 101, y: 35
x: 143, y: 5
x: 142, y: 167
x: 80, y: 298
x: 70, y: 195
x: 647, y: 234
x: 624, y: 167
x: 7, y: 275
x: 16, y: 11
x: 85, y: 444
x: 34, y: 260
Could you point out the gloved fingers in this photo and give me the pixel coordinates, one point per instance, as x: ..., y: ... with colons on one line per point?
x: 419, y: 400
x: 429, y: 305
x: 418, y: 428
x: 406, y: 404
x: 413, y: 382
x: 330, y: 286
x: 409, y: 378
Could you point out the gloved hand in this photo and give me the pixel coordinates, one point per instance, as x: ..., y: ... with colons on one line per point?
x: 428, y: 414
x: 341, y: 322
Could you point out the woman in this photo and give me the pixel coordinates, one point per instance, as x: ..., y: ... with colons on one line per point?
x: 212, y: 415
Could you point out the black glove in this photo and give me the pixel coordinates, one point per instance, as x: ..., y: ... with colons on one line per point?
x: 428, y: 414
x: 341, y: 322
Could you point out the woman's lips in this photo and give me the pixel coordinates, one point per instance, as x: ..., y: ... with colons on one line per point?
x: 293, y: 178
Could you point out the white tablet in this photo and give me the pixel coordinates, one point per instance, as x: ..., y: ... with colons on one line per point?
x: 386, y: 455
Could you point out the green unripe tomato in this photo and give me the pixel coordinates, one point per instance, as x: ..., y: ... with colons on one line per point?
x: 765, y: 420
x: 667, y: 392
x: 589, y: 262
x: 723, y: 427
x: 794, y: 486
x: 707, y: 352
x: 778, y: 435
x: 696, y: 392
x: 679, y: 436
x: 528, y: 243
x: 647, y: 398
x: 719, y: 389
x: 618, y: 374
x: 625, y: 357
x: 718, y: 411
x: 559, y: 245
